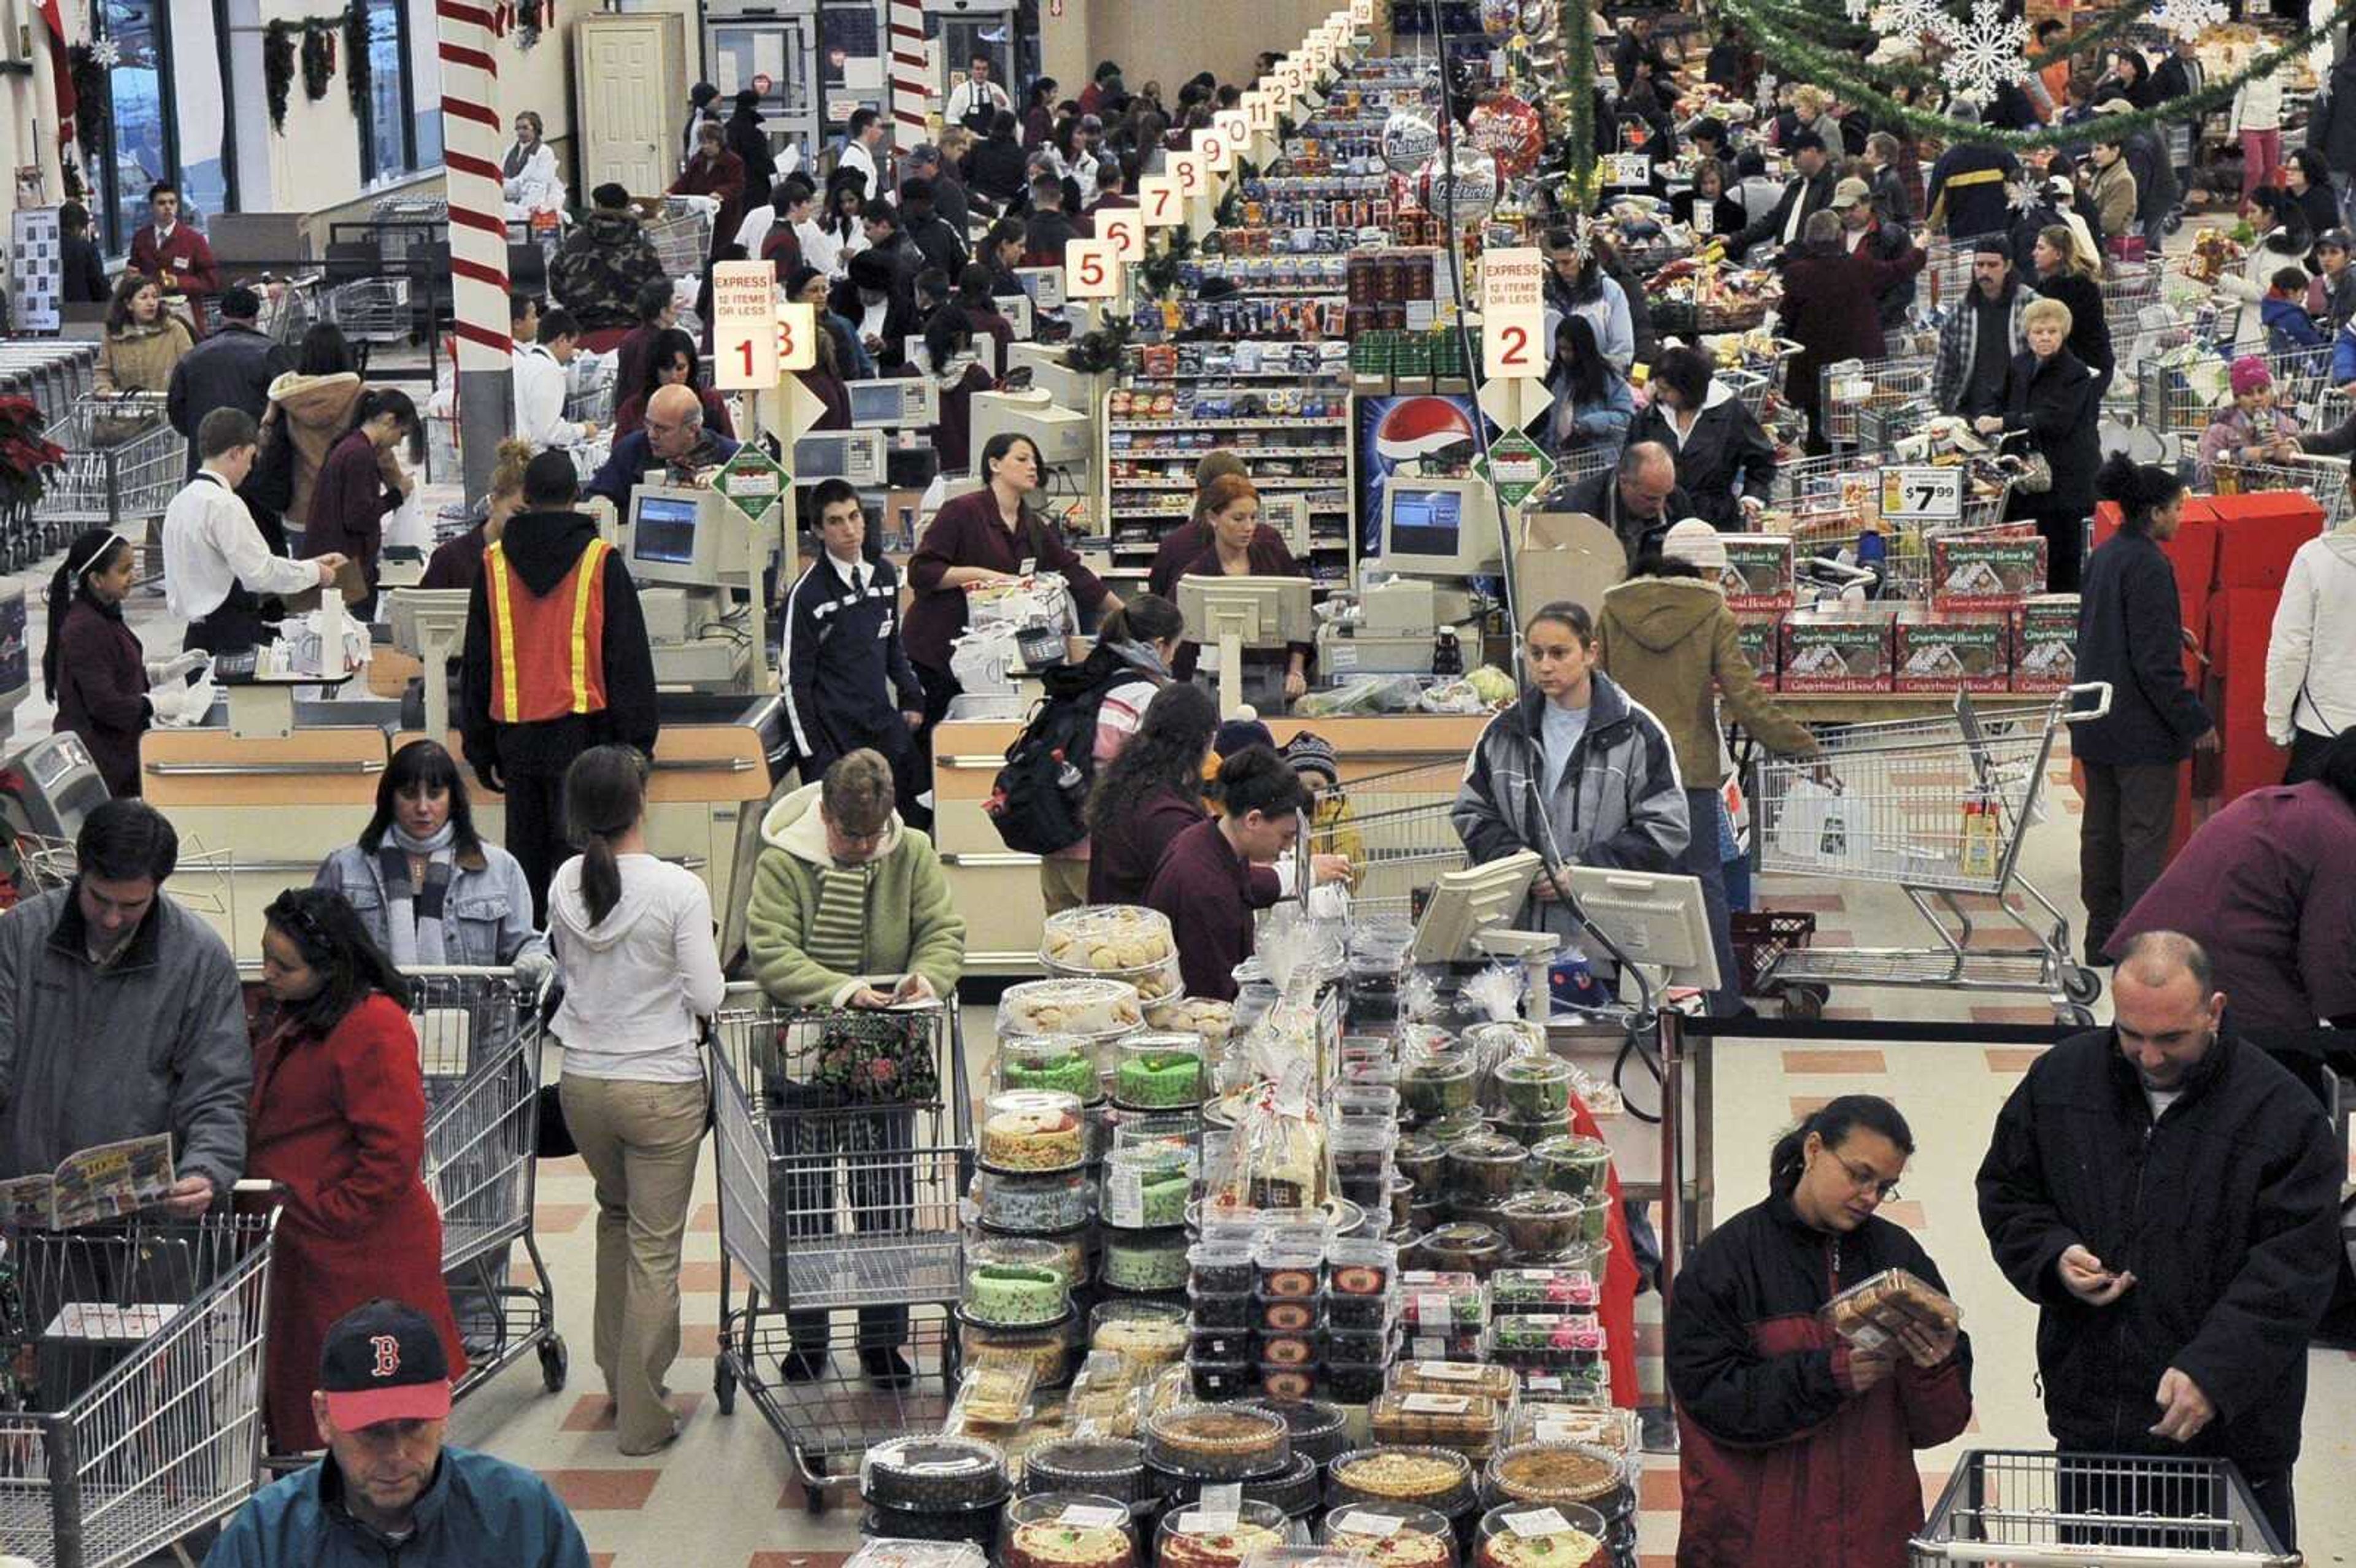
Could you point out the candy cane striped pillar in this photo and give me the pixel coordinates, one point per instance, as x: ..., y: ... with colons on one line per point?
x: 471, y: 135
x: 908, y: 87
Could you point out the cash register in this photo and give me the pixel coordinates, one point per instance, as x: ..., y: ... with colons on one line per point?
x: 687, y: 548
x: 1436, y: 534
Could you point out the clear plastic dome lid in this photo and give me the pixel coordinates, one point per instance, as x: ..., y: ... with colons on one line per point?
x: 1160, y: 1070
x: 1393, y: 1535
x: 1105, y: 937
x: 895, y: 1552
x: 1211, y: 1534
x: 1032, y: 1130
x: 1098, y: 1007
x: 1230, y: 1442
x: 1067, y: 1529
x: 1558, y: 1474
x: 932, y: 1472
x: 1437, y: 1478
x: 1065, y: 1063
x: 1148, y: 1187
x: 1561, y: 1535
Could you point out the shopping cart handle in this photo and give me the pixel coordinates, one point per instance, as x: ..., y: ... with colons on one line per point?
x: 2099, y: 690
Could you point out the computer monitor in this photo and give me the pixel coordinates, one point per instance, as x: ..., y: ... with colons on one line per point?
x: 903, y: 402
x: 1064, y: 437
x: 910, y: 467
x: 1233, y: 614
x: 1465, y: 903
x: 1655, y: 917
x: 674, y: 536
x: 856, y: 455
x: 1043, y: 284
x: 1440, y: 528
x: 429, y: 625
x: 1016, y: 309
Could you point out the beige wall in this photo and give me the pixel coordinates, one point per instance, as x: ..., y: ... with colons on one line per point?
x: 1170, y: 43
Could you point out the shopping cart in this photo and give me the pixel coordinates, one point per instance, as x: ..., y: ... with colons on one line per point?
x: 1403, y: 820
x: 2182, y: 393
x: 124, y: 463
x: 1830, y: 505
x: 478, y: 1042
x: 682, y: 235
x: 2029, y: 1509
x: 1848, y: 389
x: 1939, y: 807
x: 839, y: 1189
x: 1946, y: 272
x: 2323, y: 478
x: 372, y: 311
x: 589, y: 390
x: 135, y: 1371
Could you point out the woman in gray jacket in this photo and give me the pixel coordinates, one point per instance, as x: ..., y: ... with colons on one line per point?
x: 431, y: 893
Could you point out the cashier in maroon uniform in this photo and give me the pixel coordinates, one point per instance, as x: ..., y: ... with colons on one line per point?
x: 174, y: 254
x: 1798, y: 1433
x: 1205, y: 883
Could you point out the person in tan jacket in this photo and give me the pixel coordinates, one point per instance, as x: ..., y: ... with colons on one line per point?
x: 1667, y: 637
x: 142, y: 341
x: 312, y: 406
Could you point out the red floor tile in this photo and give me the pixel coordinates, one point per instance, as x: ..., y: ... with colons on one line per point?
x: 1797, y: 1060
x: 559, y: 1218
x: 570, y: 1165
x: 700, y: 1276
x: 705, y: 1219
x: 1805, y: 903
x: 2012, y: 1058
x: 1933, y: 1483
x: 1659, y: 1491
x: 2009, y: 1014
x: 603, y: 1491
x: 601, y: 1560
x: 590, y: 1413
x: 1834, y: 938
x: 698, y: 1340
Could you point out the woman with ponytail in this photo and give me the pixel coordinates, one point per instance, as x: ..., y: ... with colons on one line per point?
x: 633, y: 939
x: 2131, y: 635
x: 1130, y: 664
x: 1776, y: 1413
x: 337, y: 1121
x: 92, y: 667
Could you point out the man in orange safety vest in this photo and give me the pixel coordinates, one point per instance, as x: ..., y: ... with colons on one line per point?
x: 556, y: 661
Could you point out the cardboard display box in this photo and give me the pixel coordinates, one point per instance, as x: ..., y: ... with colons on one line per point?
x: 1758, y: 573
x: 2045, y: 643
x: 1564, y: 555
x: 1836, y: 650
x: 1935, y: 651
x: 1987, y: 572
x: 1760, y: 637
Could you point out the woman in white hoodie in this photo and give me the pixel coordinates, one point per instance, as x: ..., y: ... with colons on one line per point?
x: 2310, y: 658
x: 633, y: 939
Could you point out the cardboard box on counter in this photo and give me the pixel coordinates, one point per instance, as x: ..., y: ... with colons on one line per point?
x: 1566, y: 555
x: 1757, y: 572
x: 1986, y: 571
x: 1837, y: 650
x: 1939, y: 651
x: 2045, y: 643
x: 1759, y: 637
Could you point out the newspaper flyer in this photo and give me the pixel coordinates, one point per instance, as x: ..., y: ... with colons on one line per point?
x: 106, y: 1181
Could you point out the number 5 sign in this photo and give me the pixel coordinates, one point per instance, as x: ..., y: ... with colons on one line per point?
x: 1123, y: 229
x: 1513, y: 314
x: 1091, y: 269
x: 744, y: 326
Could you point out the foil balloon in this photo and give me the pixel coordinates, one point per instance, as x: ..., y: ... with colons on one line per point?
x: 1509, y: 130
x: 1464, y: 192
x: 1498, y: 16
x: 1538, y: 19
x: 1408, y: 142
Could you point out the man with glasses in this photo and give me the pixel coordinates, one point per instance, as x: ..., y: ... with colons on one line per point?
x: 673, y: 442
x: 121, y: 1017
x: 2168, y: 1196
x: 1637, y: 500
x: 1774, y: 1404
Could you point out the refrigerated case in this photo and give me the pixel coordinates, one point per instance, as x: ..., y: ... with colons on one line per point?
x: 771, y: 47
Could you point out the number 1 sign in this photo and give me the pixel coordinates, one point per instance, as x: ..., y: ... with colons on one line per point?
x: 744, y: 326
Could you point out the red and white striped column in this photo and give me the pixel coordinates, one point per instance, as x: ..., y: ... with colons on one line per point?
x: 472, y: 135
x: 909, y: 88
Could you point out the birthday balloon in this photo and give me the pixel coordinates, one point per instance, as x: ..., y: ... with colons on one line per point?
x: 1408, y: 141
x: 1508, y: 129
x: 1466, y: 191
x: 1498, y: 16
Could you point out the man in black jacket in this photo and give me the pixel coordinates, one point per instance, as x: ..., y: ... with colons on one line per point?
x: 1639, y: 499
x: 545, y: 677
x: 927, y: 230
x: 232, y: 368
x: 1966, y: 189
x: 1809, y: 191
x: 2168, y: 1195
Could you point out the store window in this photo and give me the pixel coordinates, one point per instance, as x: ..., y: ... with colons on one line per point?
x: 388, y: 131
x: 140, y: 130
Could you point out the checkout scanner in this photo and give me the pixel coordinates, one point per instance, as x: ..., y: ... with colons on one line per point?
x: 1435, y: 533
x: 686, y: 549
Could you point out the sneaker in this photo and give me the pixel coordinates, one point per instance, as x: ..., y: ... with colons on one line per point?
x: 887, y: 1368
x: 802, y: 1366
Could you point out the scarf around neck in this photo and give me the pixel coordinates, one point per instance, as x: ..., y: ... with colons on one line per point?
x: 413, y: 929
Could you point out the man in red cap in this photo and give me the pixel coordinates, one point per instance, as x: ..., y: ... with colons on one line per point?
x: 389, y: 1488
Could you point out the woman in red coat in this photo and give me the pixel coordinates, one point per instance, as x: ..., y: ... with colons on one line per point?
x: 1831, y: 308
x: 338, y: 1122
x: 716, y: 171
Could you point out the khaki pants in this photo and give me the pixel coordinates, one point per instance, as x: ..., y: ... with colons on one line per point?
x: 1062, y: 883
x: 640, y: 1142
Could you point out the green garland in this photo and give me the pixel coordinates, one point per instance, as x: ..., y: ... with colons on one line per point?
x: 1828, y: 69
x: 357, y: 67
x: 1577, y: 20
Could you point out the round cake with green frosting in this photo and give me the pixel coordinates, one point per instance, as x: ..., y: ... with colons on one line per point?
x: 1066, y: 1069
x: 1015, y: 1294
x: 1157, y: 1079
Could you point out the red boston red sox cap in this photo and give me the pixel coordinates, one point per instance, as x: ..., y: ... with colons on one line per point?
x: 384, y: 1361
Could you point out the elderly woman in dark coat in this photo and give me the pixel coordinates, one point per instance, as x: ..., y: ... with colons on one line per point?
x: 2050, y: 397
x: 1831, y: 308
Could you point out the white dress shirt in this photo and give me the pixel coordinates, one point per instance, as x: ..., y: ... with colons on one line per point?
x: 855, y: 155
x: 536, y: 185
x: 819, y: 249
x: 972, y: 95
x: 210, y: 544
x: 754, y: 232
x: 540, y: 399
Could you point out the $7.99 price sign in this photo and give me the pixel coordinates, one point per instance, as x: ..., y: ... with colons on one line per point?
x: 1921, y: 495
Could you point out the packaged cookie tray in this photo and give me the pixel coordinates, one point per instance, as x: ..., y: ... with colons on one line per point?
x: 1099, y: 937
x: 933, y: 1473
x: 1610, y: 1428
x: 1572, y: 1342
x: 1867, y: 1313
x: 1438, y: 1301
x: 1424, y: 1376
x: 1158, y: 981
x: 1466, y: 1422
x: 1094, y: 1007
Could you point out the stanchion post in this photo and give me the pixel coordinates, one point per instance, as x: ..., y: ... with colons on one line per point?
x: 1670, y: 1023
x: 478, y: 236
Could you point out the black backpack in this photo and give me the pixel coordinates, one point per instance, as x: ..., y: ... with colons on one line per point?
x: 1038, y: 798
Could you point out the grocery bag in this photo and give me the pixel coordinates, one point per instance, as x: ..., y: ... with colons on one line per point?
x: 1817, y: 823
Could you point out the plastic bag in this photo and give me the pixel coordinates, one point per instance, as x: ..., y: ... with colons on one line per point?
x: 1278, y: 1158
x: 1040, y: 599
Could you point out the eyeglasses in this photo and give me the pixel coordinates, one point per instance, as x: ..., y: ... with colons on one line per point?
x: 1865, y: 1179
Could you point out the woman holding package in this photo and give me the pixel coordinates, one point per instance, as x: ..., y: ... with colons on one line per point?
x: 1778, y: 1413
x: 2050, y: 397
x: 354, y: 495
x: 339, y: 1123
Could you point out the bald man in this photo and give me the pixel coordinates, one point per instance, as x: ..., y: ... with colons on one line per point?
x: 672, y: 440
x: 2168, y: 1196
x: 1636, y: 500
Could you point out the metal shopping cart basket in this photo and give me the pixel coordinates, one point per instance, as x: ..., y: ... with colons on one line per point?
x: 1829, y: 505
x: 2323, y: 478
x: 371, y: 311
x: 2029, y: 1509
x: 136, y: 1375
x: 1939, y: 807
x: 843, y: 1148
x: 682, y: 235
x: 1947, y: 271
x: 589, y: 389
x: 478, y: 1042
x: 1850, y: 388
x: 1402, y: 820
x: 124, y: 463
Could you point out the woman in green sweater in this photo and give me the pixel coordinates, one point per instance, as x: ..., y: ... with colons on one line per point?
x: 851, y: 910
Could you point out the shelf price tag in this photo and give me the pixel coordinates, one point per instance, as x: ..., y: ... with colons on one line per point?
x: 1513, y: 314
x: 797, y: 336
x: 1921, y: 495
x: 1160, y: 203
x: 744, y: 326
x: 1124, y: 230
x: 1091, y: 269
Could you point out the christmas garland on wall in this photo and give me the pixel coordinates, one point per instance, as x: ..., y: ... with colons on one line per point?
x: 357, y: 69
x: 319, y: 56
x: 278, y: 70
x: 314, y: 40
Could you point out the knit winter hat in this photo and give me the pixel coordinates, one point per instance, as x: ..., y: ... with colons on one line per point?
x: 2249, y: 375
x: 1236, y: 733
x: 1311, y: 752
x: 1697, y: 544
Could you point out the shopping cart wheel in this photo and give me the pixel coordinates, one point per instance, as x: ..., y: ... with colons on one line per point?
x: 2082, y: 986
x: 1804, y: 1001
x: 723, y: 1386
x: 554, y: 1362
x: 2075, y: 1016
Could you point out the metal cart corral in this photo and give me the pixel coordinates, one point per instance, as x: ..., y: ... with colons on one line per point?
x: 840, y: 1183
x: 1938, y: 808
x: 145, y: 1345
x: 124, y: 464
x: 2029, y: 1509
x: 478, y: 1043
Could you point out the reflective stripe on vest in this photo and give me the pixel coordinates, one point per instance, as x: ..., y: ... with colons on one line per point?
x: 528, y: 685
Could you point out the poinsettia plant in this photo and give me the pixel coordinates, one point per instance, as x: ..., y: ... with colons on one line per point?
x: 25, y: 452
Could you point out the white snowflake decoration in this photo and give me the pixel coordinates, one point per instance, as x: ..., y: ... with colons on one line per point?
x: 1909, y: 18
x: 1858, y: 9
x: 106, y: 53
x: 1987, y: 53
x: 2188, y: 19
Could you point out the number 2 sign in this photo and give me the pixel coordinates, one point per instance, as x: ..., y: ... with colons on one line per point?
x: 1513, y: 314
x: 1091, y: 269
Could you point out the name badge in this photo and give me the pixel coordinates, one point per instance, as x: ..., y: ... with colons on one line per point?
x: 1030, y: 566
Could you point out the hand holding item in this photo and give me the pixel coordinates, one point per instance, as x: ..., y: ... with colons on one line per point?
x: 179, y: 667
x: 914, y: 987
x: 1296, y: 685
x: 868, y: 998
x: 192, y: 1195
x: 1988, y: 424
x: 1926, y: 1346
x: 2084, y: 1276
x: 1326, y: 869
x: 329, y: 564
x: 2184, y: 1409
x: 915, y: 721
x: 1867, y: 1367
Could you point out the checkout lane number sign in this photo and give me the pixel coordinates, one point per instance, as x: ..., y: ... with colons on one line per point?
x: 1513, y: 314
x: 744, y: 326
x: 1921, y: 495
